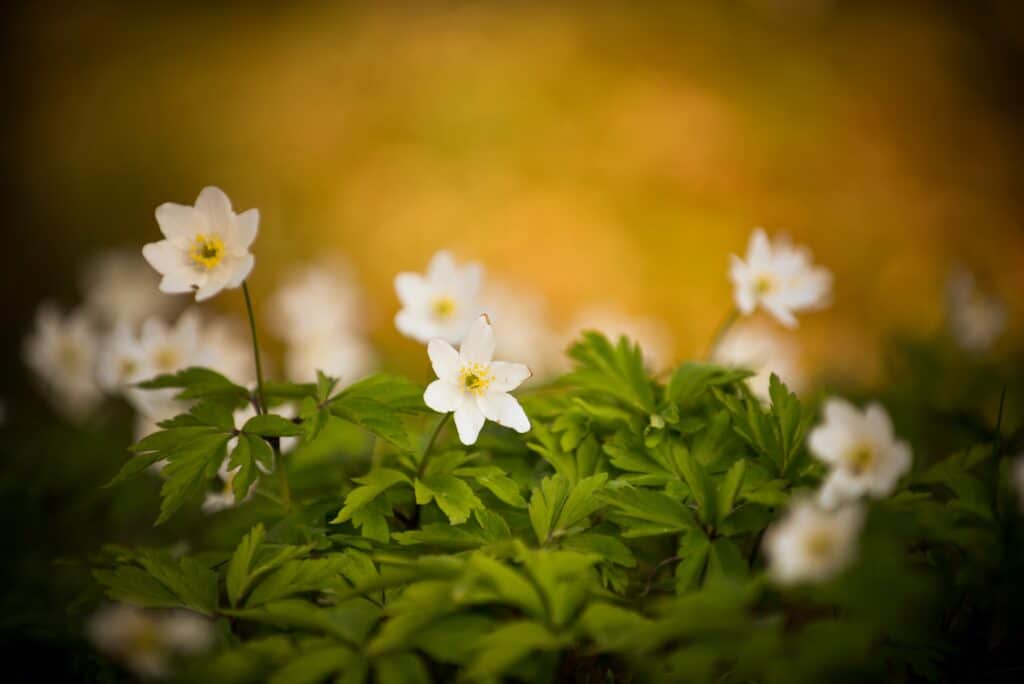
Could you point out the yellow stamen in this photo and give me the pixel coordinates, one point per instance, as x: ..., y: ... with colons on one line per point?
x: 443, y: 307
x: 207, y: 251
x: 819, y: 544
x: 764, y: 284
x: 166, y: 359
x: 476, y: 377
x: 860, y: 459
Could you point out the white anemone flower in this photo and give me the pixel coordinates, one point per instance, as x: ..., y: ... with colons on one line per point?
x: 758, y: 348
x: 976, y: 319
x: 206, y: 246
x: 779, y: 278
x: 473, y: 386
x: 343, y: 356
x: 859, y: 447
x: 120, y: 286
x: 121, y: 359
x: 441, y: 304
x: 811, y: 544
x: 317, y: 301
x: 224, y: 346
x: 166, y: 348
x: 62, y: 351
x: 146, y: 641
x: 526, y: 330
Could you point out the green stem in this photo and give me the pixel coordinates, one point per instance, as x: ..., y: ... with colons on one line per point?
x: 430, y: 444
x: 722, y: 331
x: 286, y: 491
x: 261, y: 404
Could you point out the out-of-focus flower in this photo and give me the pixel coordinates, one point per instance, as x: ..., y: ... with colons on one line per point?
x: 779, y: 278
x: 166, y: 348
x: 121, y: 359
x: 758, y: 348
x: 317, y: 301
x: 224, y: 498
x: 859, y: 447
x: 442, y: 304
x: 224, y: 346
x: 812, y: 544
x: 120, y: 287
x: 473, y: 386
x: 976, y: 318
x: 652, y: 335
x: 524, y: 329
x: 62, y: 351
x: 146, y: 642
x: 342, y: 356
x: 206, y: 246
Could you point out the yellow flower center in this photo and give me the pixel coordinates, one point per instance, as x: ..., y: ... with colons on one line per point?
x: 764, y: 284
x: 69, y: 355
x: 860, y: 459
x: 476, y: 377
x: 819, y: 544
x: 207, y: 251
x: 166, y: 359
x: 127, y: 368
x: 443, y: 307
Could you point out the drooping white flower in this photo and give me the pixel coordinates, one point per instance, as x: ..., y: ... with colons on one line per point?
x: 441, y: 304
x: 341, y: 356
x: 759, y: 348
x: 473, y: 386
x: 317, y: 301
x: 654, y: 338
x: 526, y: 330
x: 976, y: 318
x: 206, y: 246
x: 62, y: 351
x: 811, y: 544
x: 146, y: 641
x: 122, y: 361
x: 779, y: 278
x: 859, y: 447
x: 120, y: 287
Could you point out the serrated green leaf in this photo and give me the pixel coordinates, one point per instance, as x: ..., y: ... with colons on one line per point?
x: 453, y: 496
x: 270, y: 425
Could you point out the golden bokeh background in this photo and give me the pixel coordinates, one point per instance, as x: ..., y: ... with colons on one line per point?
x: 597, y: 152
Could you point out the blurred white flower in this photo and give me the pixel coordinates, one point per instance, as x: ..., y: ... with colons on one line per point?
x: 166, y: 348
x: 119, y: 286
x: 224, y: 498
x: 206, y: 247
x: 224, y: 346
x: 316, y: 302
x: 341, y: 356
x: 654, y: 338
x: 121, y: 359
x: 147, y: 641
x: 859, y: 447
x: 473, y: 386
x: 442, y: 304
x: 524, y: 329
x: 759, y: 348
x: 976, y: 318
x: 62, y: 351
x: 811, y: 544
x: 779, y: 278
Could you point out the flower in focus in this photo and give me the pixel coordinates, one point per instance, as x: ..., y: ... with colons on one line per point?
x: 779, y: 278
x: 442, y: 304
x: 859, y: 447
x: 526, y: 331
x: 473, y: 386
x: 206, y: 246
x: 811, y: 544
x: 976, y: 319
x: 654, y: 338
x: 146, y: 641
x: 119, y: 286
x: 759, y: 348
x: 62, y: 351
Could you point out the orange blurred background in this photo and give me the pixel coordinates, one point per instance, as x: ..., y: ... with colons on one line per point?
x: 600, y: 152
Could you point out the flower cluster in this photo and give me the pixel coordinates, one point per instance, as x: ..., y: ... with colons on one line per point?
x: 147, y: 642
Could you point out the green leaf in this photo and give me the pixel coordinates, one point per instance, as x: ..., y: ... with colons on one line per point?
x: 372, y: 485
x: 497, y: 482
x: 453, y: 496
x: 401, y: 668
x: 615, y: 372
x: 163, y: 582
x: 728, y: 488
x: 316, y: 665
x: 645, y: 512
x: 270, y: 425
x: 199, y: 383
x: 297, y: 577
x: 692, y: 380
x: 377, y: 404
x: 507, y: 645
x: 186, y: 472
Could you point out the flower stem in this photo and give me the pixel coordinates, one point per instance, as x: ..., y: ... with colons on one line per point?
x: 261, y: 407
x: 286, y: 490
x: 430, y: 443
x: 722, y: 331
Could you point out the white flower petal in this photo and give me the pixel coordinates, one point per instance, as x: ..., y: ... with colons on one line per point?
x: 216, y: 281
x: 216, y: 206
x: 508, y: 376
x: 238, y: 270
x: 442, y: 266
x: 445, y: 360
x: 411, y: 289
x: 165, y: 257
x: 443, y: 396
x: 505, y: 410
x: 478, y: 345
x: 411, y: 324
x: 247, y: 225
x: 180, y: 223
x: 469, y: 420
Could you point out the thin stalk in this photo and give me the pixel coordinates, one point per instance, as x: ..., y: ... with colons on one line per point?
x: 261, y: 407
x: 286, y: 490
x: 722, y: 331
x: 430, y: 444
